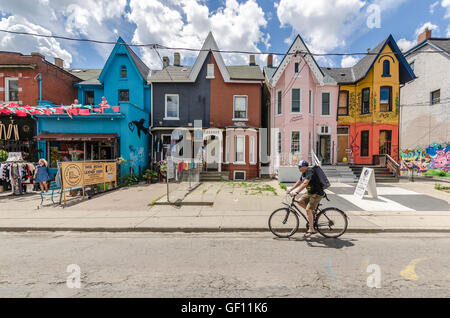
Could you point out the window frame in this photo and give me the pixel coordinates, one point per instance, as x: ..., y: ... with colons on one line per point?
x: 252, y: 150
x: 279, y: 103
x: 386, y: 66
x: 347, y: 101
x: 227, y: 149
x: 296, y: 68
x: 236, y: 162
x: 124, y: 90
x: 433, y: 99
x: 93, y: 97
x: 7, y: 80
x: 210, y: 71
x: 368, y: 143
x: 368, y: 102
x: 299, y: 151
x: 389, y: 101
x: 311, y: 98
x: 122, y: 69
x: 299, y: 100
x: 329, y: 105
x: 165, y: 107
x: 234, y: 108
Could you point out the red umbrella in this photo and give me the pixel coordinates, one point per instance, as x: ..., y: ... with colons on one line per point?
x: 12, y: 105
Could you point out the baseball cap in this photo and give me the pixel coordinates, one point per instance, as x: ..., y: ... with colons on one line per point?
x: 303, y: 163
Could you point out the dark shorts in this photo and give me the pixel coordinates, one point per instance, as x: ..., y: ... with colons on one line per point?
x: 311, y: 200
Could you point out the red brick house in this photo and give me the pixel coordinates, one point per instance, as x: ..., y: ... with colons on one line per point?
x: 31, y: 80
x: 235, y: 108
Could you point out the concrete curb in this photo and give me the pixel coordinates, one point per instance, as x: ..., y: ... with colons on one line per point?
x: 202, y: 230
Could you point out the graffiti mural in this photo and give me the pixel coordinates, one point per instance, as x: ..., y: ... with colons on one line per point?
x: 422, y: 160
x: 139, y: 125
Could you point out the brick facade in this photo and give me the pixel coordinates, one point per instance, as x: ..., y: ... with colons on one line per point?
x: 57, y: 84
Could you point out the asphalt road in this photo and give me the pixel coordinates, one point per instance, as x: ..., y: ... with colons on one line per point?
x: 223, y: 265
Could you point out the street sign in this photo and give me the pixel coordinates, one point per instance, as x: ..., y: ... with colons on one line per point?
x: 366, y: 183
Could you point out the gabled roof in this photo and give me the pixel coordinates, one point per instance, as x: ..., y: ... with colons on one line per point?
x: 298, y: 46
x: 139, y: 66
x: 360, y: 70
x: 441, y: 44
x: 189, y: 74
x: 85, y: 73
x: 269, y: 71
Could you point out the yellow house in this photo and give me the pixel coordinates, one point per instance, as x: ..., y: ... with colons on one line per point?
x: 369, y: 104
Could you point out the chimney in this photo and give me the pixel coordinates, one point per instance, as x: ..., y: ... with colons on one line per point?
x: 270, y: 60
x: 59, y: 62
x: 425, y: 35
x: 37, y: 54
x: 176, y: 59
x: 166, y: 61
x: 252, y: 60
x: 368, y: 50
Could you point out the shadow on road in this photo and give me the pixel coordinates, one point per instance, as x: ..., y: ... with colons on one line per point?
x: 323, y: 242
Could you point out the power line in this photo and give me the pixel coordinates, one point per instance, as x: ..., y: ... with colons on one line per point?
x: 155, y: 45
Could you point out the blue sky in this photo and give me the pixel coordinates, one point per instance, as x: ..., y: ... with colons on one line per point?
x: 251, y: 25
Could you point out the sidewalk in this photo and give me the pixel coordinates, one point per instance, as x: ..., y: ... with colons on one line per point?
x: 237, y: 207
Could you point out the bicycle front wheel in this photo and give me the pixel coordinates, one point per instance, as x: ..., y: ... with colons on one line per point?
x: 283, y: 222
x: 331, y: 222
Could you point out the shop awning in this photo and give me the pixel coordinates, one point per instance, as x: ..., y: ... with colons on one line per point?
x: 74, y: 136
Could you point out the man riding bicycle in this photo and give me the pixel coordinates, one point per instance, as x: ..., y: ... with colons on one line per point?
x: 315, y: 193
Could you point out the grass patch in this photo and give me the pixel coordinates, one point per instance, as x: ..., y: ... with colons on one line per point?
x: 204, y: 191
x: 156, y: 200
x: 283, y: 186
x: 440, y: 187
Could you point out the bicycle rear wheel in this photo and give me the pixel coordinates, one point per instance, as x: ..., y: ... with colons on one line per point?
x: 331, y: 222
x: 283, y: 223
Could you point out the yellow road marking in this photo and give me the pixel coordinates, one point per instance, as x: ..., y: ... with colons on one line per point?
x: 409, y: 271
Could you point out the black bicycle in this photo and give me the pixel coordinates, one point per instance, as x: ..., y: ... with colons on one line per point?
x: 329, y: 222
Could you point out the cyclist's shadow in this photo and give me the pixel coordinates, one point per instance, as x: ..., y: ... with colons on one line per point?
x: 319, y: 241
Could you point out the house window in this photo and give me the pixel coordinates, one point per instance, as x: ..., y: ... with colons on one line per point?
x: 12, y: 89
x: 123, y: 72
x: 124, y: 95
x: 295, y: 142
x: 89, y: 98
x: 386, y: 99
x: 365, y: 101
x: 436, y: 97
x: 295, y: 100
x: 252, y: 150
x: 240, y: 149
x: 210, y: 71
x: 310, y: 101
x: 364, y: 143
x: 296, y: 68
x: 386, y: 68
x: 172, y: 106
x: 279, y: 103
x: 325, y: 103
x: 279, y: 142
x: 343, y: 103
x: 240, y: 107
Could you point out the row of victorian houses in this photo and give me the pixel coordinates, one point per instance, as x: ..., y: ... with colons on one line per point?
x: 335, y: 115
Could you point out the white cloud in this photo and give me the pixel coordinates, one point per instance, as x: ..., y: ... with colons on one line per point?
x: 76, y: 18
x: 427, y: 25
x: 405, y: 44
x: 26, y: 44
x: 349, y: 61
x: 446, y: 4
x: 448, y: 31
x: 433, y: 6
x: 236, y: 26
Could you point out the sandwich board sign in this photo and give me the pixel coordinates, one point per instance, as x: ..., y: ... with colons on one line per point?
x: 366, y: 183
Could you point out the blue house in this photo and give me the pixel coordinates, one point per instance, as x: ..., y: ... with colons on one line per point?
x: 93, y: 133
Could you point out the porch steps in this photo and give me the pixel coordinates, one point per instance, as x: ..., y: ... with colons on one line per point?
x: 213, y: 175
x: 341, y: 174
x: 382, y: 174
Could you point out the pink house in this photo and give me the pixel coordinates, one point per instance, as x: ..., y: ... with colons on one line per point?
x: 303, y: 105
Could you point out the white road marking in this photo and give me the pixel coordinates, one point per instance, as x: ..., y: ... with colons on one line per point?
x: 380, y: 204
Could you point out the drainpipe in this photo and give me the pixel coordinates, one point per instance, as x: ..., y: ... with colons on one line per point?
x: 39, y: 76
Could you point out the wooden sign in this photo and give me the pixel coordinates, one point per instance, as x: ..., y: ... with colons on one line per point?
x: 72, y: 174
x: 94, y: 173
x: 366, y: 183
x: 80, y: 174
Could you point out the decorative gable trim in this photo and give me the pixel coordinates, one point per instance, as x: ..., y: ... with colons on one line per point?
x: 119, y: 49
x: 209, y: 45
x: 298, y: 45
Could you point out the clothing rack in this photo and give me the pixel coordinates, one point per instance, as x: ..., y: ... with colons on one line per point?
x: 20, y: 183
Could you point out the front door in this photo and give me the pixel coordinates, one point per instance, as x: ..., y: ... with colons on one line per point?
x: 342, y: 139
x: 385, y: 142
x: 325, y: 149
